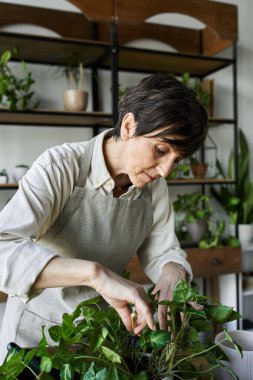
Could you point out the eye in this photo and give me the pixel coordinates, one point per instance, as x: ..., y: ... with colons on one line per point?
x: 160, y: 151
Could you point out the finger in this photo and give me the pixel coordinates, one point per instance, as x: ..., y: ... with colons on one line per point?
x: 196, y: 305
x: 144, y: 316
x: 125, y: 316
x: 163, y: 317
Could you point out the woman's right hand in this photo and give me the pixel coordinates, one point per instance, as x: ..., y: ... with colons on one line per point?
x: 120, y: 293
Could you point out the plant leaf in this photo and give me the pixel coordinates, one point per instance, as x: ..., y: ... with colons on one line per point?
x: 230, y: 339
x: 112, y: 373
x: 110, y: 354
x: 65, y: 372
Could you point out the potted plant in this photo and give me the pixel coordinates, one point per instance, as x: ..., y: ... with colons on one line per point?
x: 75, y: 98
x: 3, y: 176
x: 15, y: 93
x: 238, y: 206
x: 19, y: 172
x: 203, y: 89
x: 196, y: 212
x: 99, y: 347
x: 198, y: 168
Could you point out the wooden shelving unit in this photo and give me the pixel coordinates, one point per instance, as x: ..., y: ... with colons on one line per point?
x: 58, y: 118
x: 95, y: 33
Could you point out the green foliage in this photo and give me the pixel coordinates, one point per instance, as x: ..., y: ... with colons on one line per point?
x: 15, y: 92
x: 97, y: 347
x: 74, y: 70
x: 193, y: 206
x: 239, y: 207
x: 195, y: 83
x: 179, y: 170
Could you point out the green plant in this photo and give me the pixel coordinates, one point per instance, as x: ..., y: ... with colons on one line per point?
x: 74, y: 70
x: 213, y: 237
x: 196, y: 84
x: 97, y: 347
x: 22, y: 166
x: 3, y: 173
x: 180, y: 169
x: 238, y: 206
x: 193, y: 206
x: 15, y: 92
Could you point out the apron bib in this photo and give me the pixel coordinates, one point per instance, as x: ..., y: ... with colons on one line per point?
x: 91, y: 227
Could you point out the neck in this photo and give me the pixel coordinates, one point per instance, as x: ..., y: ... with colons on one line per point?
x: 112, y: 150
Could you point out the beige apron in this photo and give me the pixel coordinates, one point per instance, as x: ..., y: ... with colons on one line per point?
x: 91, y: 227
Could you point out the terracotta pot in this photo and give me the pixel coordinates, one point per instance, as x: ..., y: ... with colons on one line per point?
x: 75, y: 100
x: 199, y: 170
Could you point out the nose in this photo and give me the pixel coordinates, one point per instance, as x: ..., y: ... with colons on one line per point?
x: 165, y: 168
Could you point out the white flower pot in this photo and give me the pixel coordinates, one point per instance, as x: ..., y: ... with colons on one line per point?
x: 18, y: 173
x: 245, y: 232
x: 197, y: 229
x: 241, y: 366
x: 75, y: 100
x: 3, y: 179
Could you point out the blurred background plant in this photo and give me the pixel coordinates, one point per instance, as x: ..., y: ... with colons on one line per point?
x: 15, y: 92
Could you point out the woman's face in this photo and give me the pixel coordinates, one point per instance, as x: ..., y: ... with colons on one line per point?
x: 148, y: 158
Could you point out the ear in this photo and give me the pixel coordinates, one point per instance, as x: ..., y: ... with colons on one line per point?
x: 128, y: 126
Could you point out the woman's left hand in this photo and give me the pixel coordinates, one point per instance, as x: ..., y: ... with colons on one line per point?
x: 171, y: 274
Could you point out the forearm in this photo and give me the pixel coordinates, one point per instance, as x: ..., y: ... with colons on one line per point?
x: 64, y: 272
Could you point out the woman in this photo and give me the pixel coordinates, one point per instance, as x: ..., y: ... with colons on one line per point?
x: 84, y: 209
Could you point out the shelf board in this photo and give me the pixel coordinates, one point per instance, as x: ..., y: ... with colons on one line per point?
x: 54, y: 50
x: 217, y: 121
x: 200, y: 181
x: 58, y: 118
x: 248, y: 291
x: 8, y: 186
x: 143, y: 60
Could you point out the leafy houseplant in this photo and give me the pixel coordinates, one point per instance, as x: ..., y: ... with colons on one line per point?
x: 196, y: 211
x: 239, y: 207
x: 204, y: 94
x: 75, y: 98
x: 4, y: 176
x: 100, y: 348
x: 15, y: 92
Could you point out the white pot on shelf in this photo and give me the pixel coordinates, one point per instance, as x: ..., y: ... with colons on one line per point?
x: 19, y: 172
x: 245, y: 232
x: 75, y: 100
x: 241, y: 366
x: 3, y: 179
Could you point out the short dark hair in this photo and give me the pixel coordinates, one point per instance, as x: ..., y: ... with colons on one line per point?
x: 160, y: 100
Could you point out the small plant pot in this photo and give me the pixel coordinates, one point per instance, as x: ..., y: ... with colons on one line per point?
x: 197, y: 229
x: 241, y: 366
x: 18, y: 173
x: 199, y: 170
x: 245, y: 232
x: 3, y: 179
x: 75, y: 100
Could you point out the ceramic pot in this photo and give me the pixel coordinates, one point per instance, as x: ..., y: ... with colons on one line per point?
x: 199, y: 170
x: 241, y: 366
x: 18, y: 173
x: 197, y: 229
x: 245, y: 232
x: 75, y: 100
x: 3, y: 179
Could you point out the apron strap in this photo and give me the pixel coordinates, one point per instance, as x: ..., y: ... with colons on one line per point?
x: 85, y: 163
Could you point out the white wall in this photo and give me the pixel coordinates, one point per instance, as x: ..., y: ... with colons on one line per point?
x: 24, y: 144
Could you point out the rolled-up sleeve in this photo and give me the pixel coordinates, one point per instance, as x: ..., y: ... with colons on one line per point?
x: 161, y: 245
x: 40, y: 198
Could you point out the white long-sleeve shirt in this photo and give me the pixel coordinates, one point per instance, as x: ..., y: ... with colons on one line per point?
x: 41, y: 196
